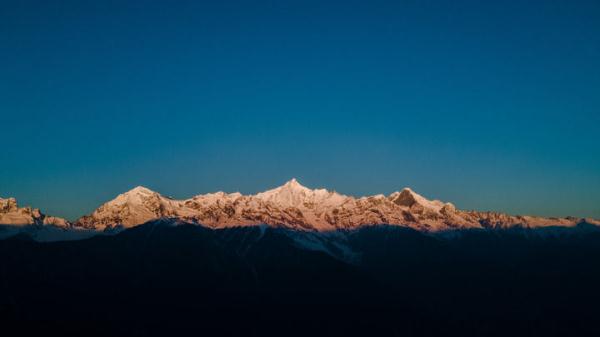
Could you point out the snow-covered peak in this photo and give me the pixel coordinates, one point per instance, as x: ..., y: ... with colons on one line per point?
x: 294, y: 194
x: 293, y: 183
x: 294, y: 186
x: 291, y: 193
x: 136, y: 195
x: 139, y: 190
x: 131, y: 208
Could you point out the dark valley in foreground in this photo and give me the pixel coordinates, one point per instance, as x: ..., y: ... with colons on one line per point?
x: 167, y: 278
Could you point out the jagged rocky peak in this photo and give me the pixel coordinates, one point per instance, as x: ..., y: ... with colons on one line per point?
x: 8, y: 205
x: 12, y: 214
x: 404, y: 198
x: 448, y: 208
x: 409, y: 198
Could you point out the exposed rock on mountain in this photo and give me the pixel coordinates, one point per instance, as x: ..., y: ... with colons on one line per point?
x: 297, y: 207
x: 12, y: 214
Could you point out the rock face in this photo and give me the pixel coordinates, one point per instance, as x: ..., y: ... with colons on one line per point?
x: 297, y: 207
x: 12, y: 214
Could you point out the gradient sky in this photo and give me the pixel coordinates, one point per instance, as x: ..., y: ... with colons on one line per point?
x: 492, y: 105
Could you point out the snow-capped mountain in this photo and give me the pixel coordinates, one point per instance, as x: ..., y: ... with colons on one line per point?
x: 12, y: 214
x: 132, y: 208
x: 297, y: 207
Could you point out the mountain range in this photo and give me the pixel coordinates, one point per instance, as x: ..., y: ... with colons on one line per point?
x: 290, y: 206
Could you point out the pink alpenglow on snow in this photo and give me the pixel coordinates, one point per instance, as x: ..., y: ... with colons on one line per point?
x: 298, y: 207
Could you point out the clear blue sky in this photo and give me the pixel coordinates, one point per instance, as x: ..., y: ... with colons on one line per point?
x: 490, y: 105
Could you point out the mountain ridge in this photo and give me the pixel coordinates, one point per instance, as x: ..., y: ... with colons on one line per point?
x: 12, y: 214
x: 291, y: 206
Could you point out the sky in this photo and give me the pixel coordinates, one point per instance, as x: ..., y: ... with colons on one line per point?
x: 492, y: 105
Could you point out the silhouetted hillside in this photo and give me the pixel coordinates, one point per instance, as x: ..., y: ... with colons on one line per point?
x: 158, y: 279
